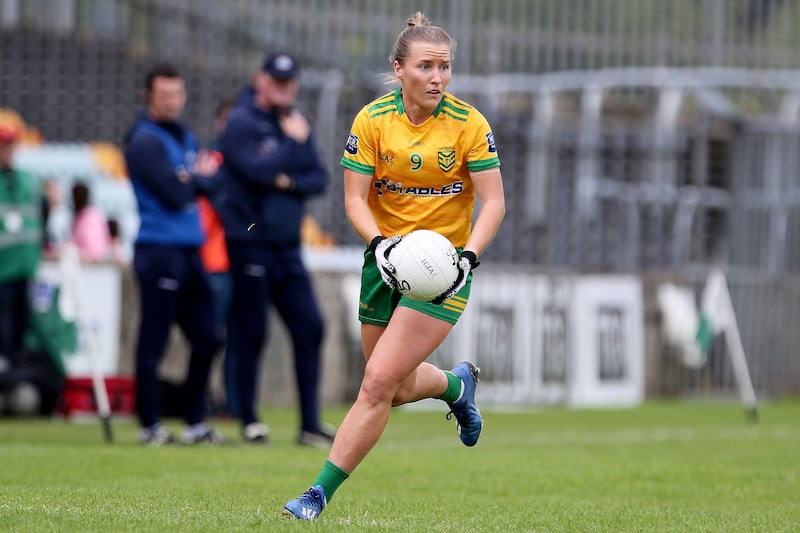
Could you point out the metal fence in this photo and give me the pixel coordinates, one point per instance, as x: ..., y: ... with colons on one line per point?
x: 497, y: 36
x: 639, y: 136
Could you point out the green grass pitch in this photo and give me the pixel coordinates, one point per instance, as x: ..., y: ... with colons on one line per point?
x: 667, y: 466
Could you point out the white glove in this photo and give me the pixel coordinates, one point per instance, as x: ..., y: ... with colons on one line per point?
x: 467, y: 262
x: 381, y: 246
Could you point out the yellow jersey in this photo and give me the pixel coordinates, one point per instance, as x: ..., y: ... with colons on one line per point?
x: 421, y: 172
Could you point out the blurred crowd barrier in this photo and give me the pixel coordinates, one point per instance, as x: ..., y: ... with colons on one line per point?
x: 542, y: 338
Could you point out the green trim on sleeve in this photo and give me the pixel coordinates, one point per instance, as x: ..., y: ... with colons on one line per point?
x: 484, y: 164
x: 357, y: 167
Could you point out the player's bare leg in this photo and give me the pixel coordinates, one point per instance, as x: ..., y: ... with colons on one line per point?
x: 395, y: 374
x: 404, y: 345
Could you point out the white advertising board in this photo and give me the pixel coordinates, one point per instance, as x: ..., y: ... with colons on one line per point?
x: 552, y: 339
x: 101, y: 285
x: 607, y: 342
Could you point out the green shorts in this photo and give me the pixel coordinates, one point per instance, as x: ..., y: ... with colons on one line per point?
x: 377, y: 301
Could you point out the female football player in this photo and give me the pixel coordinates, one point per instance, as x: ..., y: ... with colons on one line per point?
x: 415, y: 159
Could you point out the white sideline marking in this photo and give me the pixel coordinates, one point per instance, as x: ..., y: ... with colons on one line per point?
x: 626, y: 436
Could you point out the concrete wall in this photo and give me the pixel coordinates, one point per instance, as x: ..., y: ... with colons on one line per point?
x: 343, y: 361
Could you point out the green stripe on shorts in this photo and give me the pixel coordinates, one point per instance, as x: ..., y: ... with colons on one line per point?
x: 377, y: 301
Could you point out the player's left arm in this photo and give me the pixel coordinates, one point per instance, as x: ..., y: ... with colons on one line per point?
x: 484, y: 171
x: 489, y: 187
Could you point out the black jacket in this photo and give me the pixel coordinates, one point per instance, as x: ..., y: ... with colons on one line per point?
x: 255, y: 151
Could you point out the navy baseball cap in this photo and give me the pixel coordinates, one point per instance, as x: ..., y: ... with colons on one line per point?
x: 281, y: 66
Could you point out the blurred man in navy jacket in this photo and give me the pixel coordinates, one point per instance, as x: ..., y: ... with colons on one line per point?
x: 168, y: 172
x: 271, y: 168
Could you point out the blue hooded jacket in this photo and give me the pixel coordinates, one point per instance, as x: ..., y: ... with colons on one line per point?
x: 156, y: 153
x: 255, y: 151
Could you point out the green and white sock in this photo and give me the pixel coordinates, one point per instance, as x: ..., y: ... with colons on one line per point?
x: 455, y: 388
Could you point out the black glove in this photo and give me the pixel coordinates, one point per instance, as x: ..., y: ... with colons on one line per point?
x: 381, y: 246
x: 467, y: 262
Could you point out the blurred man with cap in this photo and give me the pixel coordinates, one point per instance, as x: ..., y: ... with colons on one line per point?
x: 20, y: 243
x: 271, y: 168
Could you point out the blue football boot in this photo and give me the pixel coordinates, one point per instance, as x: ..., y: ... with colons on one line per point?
x: 308, y: 506
x: 468, y: 417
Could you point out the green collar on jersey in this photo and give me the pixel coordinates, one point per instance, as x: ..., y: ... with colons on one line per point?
x: 398, y: 100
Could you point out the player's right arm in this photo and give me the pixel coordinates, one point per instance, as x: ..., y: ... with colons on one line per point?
x: 357, y: 187
x: 358, y: 161
x: 356, y: 192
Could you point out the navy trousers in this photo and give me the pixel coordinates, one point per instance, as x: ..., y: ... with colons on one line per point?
x: 173, y: 288
x: 271, y: 275
x: 14, y: 312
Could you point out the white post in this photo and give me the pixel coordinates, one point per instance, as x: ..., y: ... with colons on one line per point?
x: 71, y: 271
x: 733, y: 341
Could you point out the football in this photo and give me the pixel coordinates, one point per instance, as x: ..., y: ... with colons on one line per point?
x: 426, y: 264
